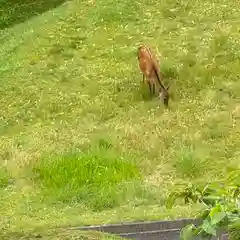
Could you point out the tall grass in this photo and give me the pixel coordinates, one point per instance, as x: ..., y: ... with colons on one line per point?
x: 97, y: 178
x: 191, y: 163
x: 4, y: 177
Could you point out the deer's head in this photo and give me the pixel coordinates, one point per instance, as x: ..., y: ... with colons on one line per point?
x: 164, y: 95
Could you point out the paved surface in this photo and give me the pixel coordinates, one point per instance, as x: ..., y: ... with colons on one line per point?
x: 158, y: 230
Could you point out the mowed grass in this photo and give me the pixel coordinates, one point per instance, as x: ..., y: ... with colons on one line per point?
x: 81, y: 140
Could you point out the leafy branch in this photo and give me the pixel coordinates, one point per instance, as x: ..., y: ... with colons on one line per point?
x: 222, y: 206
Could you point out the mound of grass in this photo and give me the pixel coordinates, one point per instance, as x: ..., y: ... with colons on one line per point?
x: 4, y: 177
x: 190, y: 163
x: 98, y: 178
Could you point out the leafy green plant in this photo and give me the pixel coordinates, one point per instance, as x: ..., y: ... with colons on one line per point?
x: 221, y: 207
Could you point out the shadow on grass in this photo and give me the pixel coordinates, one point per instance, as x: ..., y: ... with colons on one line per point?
x: 17, y: 11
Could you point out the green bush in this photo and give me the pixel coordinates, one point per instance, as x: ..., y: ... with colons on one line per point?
x: 221, y: 202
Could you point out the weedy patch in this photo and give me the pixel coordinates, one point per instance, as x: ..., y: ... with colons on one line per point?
x: 191, y: 163
x: 106, y: 12
x: 98, y: 178
x: 5, y: 177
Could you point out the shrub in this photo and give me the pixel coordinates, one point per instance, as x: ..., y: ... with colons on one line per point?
x: 221, y: 212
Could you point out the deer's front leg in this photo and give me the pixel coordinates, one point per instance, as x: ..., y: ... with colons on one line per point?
x: 150, y: 87
x: 153, y: 89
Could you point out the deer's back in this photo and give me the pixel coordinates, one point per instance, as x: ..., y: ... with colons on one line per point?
x: 145, y: 61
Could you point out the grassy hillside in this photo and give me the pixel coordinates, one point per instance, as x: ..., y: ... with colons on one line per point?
x: 81, y: 142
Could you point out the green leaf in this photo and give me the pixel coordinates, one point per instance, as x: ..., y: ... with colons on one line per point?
x: 236, y: 192
x: 206, y: 190
x: 194, y: 198
x: 208, y: 228
x: 235, y: 224
x: 171, y: 199
x: 234, y: 177
x: 204, y: 214
x: 186, y: 200
x: 187, y: 232
x: 210, y: 200
x: 216, y: 214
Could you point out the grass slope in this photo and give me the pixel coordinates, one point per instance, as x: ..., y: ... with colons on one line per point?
x: 70, y: 84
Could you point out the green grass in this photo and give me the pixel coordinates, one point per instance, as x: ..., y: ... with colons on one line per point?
x: 58, y: 234
x: 99, y: 179
x: 14, y: 12
x: 69, y: 79
x: 191, y: 163
x: 5, y: 177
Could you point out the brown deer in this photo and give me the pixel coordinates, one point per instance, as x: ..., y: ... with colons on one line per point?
x: 151, y: 71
